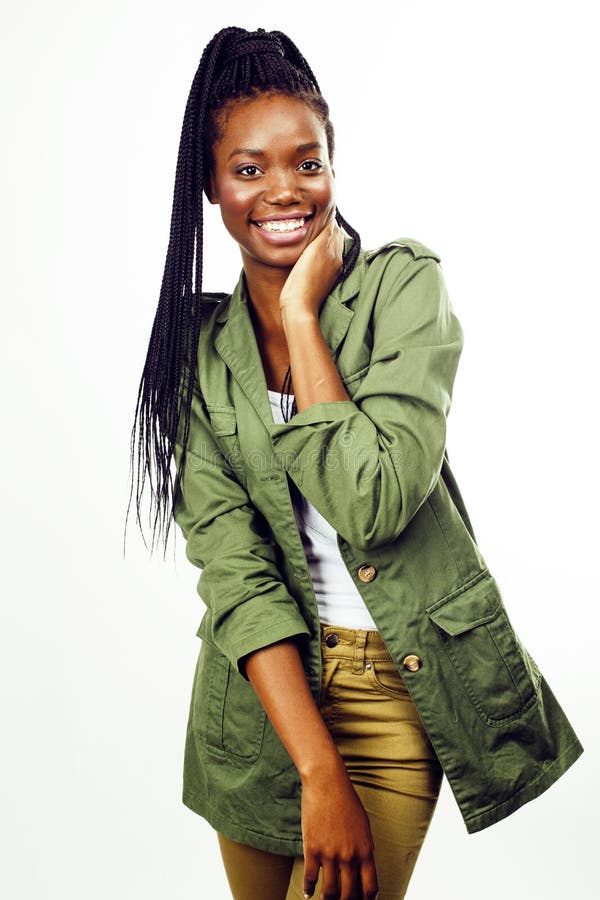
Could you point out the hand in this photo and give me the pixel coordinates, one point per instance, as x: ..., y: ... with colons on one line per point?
x: 337, y: 838
x: 315, y: 271
x: 335, y: 828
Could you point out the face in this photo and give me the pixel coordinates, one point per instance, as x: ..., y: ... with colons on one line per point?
x: 272, y: 178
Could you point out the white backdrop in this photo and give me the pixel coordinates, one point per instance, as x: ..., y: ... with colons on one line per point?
x: 470, y: 126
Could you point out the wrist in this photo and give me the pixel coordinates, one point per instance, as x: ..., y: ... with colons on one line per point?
x: 295, y: 313
x: 323, y: 767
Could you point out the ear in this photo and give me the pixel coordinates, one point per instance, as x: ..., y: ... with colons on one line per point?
x: 211, y: 191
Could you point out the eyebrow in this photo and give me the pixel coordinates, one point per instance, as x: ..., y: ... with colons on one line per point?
x: 251, y: 151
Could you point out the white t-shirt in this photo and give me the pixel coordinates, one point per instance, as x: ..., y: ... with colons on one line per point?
x: 338, y: 599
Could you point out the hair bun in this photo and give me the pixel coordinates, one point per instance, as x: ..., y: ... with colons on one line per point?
x: 258, y: 42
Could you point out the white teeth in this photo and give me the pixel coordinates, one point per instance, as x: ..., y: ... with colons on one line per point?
x: 282, y: 225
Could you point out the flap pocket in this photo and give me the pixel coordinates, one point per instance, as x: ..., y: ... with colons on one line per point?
x: 496, y: 671
x: 223, y: 419
x: 474, y: 606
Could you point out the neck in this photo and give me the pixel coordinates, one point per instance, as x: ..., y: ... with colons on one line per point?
x: 264, y: 288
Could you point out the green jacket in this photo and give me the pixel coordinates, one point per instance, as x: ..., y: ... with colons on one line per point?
x: 376, y: 468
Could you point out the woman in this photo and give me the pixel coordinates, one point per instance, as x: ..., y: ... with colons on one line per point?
x: 355, y: 645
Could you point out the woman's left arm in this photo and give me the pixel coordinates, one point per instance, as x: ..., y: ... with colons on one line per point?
x: 315, y: 377
x: 368, y: 463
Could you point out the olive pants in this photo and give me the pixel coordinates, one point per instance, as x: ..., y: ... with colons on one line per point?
x: 389, y: 759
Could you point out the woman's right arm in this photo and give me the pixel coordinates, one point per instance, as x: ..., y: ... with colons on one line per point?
x: 248, y: 604
x: 254, y: 621
x: 335, y: 828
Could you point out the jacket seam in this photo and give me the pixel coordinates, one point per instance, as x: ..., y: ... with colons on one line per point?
x: 445, y: 536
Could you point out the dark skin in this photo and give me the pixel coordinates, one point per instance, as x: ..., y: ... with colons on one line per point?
x: 274, y: 183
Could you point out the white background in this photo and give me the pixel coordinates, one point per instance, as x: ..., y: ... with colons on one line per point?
x: 469, y: 126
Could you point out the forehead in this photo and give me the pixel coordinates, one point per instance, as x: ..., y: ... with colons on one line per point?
x: 268, y: 121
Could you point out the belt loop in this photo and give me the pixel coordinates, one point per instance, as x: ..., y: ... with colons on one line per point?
x: 359, y: 652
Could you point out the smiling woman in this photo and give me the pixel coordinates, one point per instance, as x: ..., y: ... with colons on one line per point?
x: 272, y: 178
x: 355, y: 646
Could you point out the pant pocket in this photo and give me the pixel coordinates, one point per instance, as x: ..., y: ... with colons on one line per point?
x: 384, y: 677
x: 328, y: 671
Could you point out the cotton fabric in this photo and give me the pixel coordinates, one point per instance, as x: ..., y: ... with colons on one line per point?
x: 376, y: 466
x: 338, y: 600
x: 391, y: 763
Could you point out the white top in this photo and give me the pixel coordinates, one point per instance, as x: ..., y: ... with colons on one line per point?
x: 338, y: 599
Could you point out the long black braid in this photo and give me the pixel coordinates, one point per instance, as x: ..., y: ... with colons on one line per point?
x: 235, y: 64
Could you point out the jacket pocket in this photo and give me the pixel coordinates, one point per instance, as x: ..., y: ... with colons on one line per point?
x: 223, y: 420
x: 496, y: 671
x: 226, y: 715
x: 224, y: 425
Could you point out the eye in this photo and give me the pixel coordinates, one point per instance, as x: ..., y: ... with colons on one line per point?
x: 311, y: 165
x: 248, y: 170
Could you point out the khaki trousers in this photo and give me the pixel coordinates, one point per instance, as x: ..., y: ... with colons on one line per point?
x: 390, y: 761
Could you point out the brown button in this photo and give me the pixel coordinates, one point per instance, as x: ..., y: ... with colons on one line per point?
x: 332, y: 640
x: 412, y: 663
x: 367, y: 573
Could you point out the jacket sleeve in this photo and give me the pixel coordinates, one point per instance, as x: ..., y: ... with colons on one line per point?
x: 367, y: 464
x: 249, y: 606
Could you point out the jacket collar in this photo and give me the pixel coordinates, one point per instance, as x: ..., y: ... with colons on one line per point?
x: 236, y: 341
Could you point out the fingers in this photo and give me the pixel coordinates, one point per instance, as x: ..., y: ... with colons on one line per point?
x: 337, y: 234
x: 331, y: 882
x: 311, y: 875
x: 329, y: 229
x: 349, y: 882
x: 339, y: 237
x: 333, y: 237
x: 330, y: 225
x: 330, y: 237
x: 334, y: 229
x: 368, y: 880
x: 330, y: 216
x: 343, y: 881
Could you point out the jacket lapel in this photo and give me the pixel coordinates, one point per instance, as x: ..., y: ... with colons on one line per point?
x: 236, y: 341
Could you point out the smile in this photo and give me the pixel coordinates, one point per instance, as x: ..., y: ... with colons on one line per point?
x: 286, y: 231
x: 280, y: 225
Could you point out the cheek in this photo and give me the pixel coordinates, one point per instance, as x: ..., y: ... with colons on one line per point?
x: 234, y: 200
x: 324, y: 192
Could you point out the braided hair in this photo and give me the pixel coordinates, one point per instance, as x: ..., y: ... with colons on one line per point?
x: 236, y: 64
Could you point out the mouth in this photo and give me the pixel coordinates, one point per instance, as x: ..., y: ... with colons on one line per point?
x: 282, y: 225
x: 284, y: 228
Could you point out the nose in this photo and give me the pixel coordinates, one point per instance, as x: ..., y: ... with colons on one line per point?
x: 283, y: 188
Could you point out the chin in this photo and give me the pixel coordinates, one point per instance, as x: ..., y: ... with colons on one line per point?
x: 277, y: 258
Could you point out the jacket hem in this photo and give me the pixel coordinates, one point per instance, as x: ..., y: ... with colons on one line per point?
x: 545, y: 780
x: 235, y: 832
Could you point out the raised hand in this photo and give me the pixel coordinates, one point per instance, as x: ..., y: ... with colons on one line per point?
x: 315, y: 272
